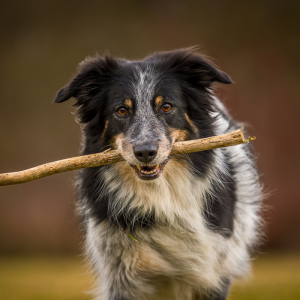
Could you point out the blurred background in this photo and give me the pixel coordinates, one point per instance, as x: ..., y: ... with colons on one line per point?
x: 255, y: 42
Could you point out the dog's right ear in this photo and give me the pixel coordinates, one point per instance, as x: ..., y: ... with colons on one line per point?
x: 64, y: 94
x: 93, y: 73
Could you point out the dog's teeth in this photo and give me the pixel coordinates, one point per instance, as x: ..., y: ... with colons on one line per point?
x: 139, y: 168
x: 148, y: 172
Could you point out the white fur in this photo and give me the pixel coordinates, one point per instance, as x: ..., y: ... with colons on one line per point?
x: 203, y: 257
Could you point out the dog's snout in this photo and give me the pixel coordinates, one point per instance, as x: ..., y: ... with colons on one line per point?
x: 145, y: 153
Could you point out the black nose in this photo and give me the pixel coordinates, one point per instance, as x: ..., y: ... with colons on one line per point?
x: 145, y: 153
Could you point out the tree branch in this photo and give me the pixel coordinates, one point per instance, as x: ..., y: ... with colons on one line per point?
x: 113, y: 156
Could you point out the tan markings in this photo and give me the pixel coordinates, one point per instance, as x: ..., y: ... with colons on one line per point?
x: 128, y: 103
x: 105, y: 128
x: 150, y: 260
x: 159, y: 100
x: 176, y: 163
x: 115, y: 141
x: 195, y: 129
x: 178, y: 135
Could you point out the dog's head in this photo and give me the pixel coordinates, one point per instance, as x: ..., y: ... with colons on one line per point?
x: 143, y: 107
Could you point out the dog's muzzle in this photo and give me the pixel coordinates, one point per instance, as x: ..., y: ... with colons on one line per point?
x: 149, y: 172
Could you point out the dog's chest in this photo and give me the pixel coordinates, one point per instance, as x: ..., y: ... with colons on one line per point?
x: 176, y: 198
x: 177, y: 243
x: 157, y: 252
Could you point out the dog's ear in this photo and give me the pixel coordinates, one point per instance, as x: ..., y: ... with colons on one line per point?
x: 208, y: 73
x: 195, y: 68
x: 92, y: 75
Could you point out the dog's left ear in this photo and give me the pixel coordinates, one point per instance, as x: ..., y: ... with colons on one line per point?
x: 200, y: 70
x: 195, y: 68
x: 208, y: 73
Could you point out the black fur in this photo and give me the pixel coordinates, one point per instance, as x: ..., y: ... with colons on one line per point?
x: 182, y: 79
x: 217, y: 294
x: 219, y: 209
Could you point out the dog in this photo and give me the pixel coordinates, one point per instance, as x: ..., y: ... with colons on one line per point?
x: 161, y: 227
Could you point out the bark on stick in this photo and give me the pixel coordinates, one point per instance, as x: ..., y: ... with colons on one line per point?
x: 113, y: 156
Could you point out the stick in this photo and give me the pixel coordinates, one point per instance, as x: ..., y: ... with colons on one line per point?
x: 113, y: 156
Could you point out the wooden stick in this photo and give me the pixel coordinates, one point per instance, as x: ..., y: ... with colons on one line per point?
x: 113, y: 156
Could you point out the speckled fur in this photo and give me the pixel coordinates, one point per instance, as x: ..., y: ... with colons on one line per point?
x: 188, y: 246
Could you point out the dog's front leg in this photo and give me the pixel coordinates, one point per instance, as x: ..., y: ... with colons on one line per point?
x: 126, y: 268
x: 125, y: 288
x: 215, y: 294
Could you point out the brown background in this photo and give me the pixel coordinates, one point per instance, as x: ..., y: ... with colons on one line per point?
x: 255, y: 42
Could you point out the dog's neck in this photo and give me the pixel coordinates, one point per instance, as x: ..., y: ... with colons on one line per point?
x: 177, y: 193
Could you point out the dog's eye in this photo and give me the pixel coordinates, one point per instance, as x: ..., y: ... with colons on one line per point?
x: 122, y: 111
x: 166, y: 107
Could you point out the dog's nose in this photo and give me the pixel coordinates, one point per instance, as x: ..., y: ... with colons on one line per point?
x: 145, y: 153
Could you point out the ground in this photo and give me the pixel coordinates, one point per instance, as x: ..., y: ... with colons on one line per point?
x: 275, y: 276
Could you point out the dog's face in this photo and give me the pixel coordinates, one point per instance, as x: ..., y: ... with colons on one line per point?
x: 143, y: 107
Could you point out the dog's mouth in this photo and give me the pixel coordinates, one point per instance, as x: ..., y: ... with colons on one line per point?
x: 149, y: 172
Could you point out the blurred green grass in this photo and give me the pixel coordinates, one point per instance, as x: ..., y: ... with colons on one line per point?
x: 275, y: 276
x: 44, y: 278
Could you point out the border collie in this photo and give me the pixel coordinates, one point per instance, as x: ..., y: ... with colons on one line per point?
x: 161, y: 227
